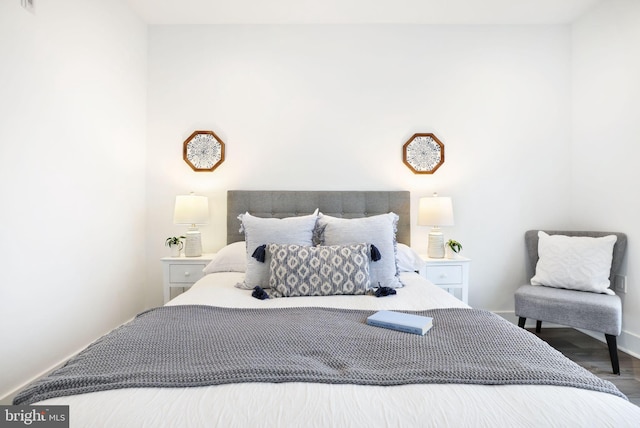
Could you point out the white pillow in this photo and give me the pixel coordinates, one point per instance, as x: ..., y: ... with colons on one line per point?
x: 379, y: 230
x: 231, y: 258
x: 262, y: 231
x: 407, y: 259
x: 574, y: 262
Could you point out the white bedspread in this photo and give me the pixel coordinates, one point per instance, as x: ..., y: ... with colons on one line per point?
x: 320, y: 405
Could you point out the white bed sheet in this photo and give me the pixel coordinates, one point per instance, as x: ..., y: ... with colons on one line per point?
x: 217, y: 290
x: 320, y: 405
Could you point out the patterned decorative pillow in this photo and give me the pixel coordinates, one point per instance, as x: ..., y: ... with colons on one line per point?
x: 260, y: 231
x: 297, y: 270
x: 379, y: 230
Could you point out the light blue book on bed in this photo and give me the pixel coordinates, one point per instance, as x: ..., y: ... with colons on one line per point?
x: 409, y: 323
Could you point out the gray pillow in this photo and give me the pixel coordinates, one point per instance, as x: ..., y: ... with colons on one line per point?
x: 260, y: 231
x: 379, y: 230
x: 297, y: 270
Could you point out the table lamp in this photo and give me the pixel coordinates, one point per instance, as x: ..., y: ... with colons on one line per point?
x: 192, y: 210
x: 435, y: 211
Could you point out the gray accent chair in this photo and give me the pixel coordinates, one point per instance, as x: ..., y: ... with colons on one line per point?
x: 578, y: 309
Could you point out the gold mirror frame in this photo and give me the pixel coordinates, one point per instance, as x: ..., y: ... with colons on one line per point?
x: 203, y: 151
x: 423, y: 153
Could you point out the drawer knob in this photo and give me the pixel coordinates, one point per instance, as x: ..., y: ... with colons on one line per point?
x: 187, y: 273
x: 442, y: 275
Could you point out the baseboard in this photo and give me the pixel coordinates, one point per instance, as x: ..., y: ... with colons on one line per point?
x: 7, y: 397
x: 627, y: 342
x: 513, y: 319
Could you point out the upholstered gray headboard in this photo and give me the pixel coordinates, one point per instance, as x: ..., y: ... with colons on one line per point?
x: 345, y: 204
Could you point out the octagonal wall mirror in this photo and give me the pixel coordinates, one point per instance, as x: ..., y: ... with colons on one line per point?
x: 203, y: 151
x: 423, y: 153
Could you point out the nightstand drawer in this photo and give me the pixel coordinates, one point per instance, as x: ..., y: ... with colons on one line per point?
x: 187, y: 274
x: 182, y: 272
x: 443, y: 275
x: 449, y: 274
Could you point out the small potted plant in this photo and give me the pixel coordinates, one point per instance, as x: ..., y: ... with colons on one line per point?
x: 175, y: 244
x: 452, y: 248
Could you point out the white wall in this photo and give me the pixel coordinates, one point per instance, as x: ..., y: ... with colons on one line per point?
x: 606, y: 142
x: 329, y: 107
x: 299, y: 107
x: 72, y: 162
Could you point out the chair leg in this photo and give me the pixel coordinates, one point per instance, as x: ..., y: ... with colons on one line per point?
x: 613, y: 353
x: 521, y: 322
x: 538, y: 326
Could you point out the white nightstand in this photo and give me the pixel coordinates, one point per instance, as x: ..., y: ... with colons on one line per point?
x: 450, y: 274
x: 182, y: 272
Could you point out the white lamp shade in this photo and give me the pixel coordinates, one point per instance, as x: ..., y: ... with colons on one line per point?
x: 191, y: 209
x: 435, y: 211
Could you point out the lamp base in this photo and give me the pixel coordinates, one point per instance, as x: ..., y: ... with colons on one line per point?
x: 435, y: 249
x: 193, y: 243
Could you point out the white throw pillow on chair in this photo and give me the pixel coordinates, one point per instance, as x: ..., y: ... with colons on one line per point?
x: 574, y: 262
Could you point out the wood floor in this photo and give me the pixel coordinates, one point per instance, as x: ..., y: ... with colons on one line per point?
x: 593, y: 355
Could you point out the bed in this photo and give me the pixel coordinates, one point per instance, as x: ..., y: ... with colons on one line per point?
x: 295, y: 398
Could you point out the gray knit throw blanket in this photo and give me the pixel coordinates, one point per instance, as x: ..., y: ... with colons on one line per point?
x: 180, y: 346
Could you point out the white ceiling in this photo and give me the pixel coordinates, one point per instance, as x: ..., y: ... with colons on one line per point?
x: 361, y: 11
